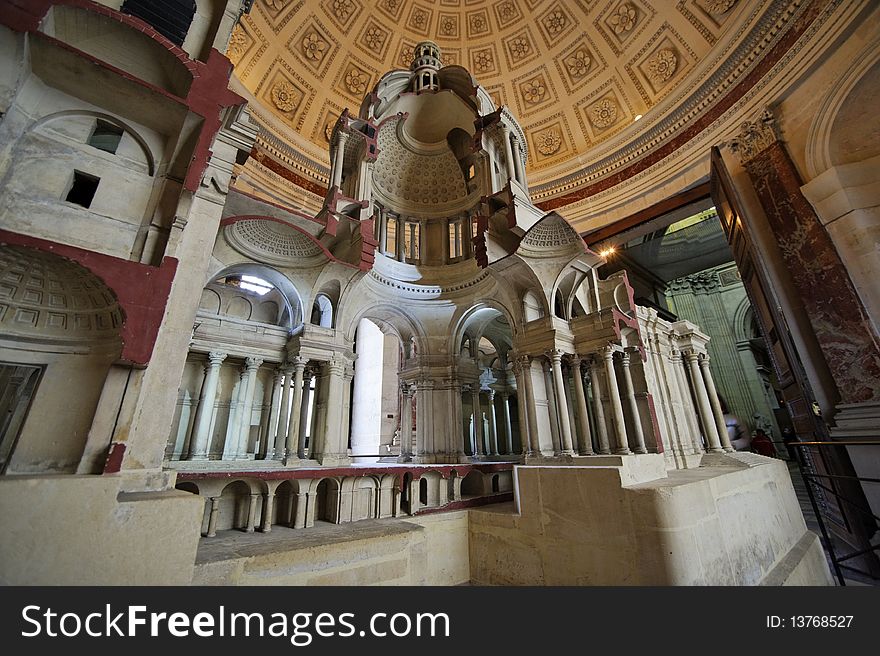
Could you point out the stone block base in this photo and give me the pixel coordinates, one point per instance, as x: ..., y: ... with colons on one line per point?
x: 737, y: 522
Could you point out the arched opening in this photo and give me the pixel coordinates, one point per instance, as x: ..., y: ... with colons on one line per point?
x: 322, y: 312
x: 363, y: 499
x: 472, y: 484
x: 423, y: 491
x: 285, y: 504
x: 495, y: 483
x: 405, y: 493
x: 486, y: 373
x: 186, y: 486
x: 235, y: 502
x: 321, y: 501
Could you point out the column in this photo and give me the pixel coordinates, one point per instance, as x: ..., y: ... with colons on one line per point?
x: 508, y: 426
x: 633, y: 404
x: 703, y: 405
x: 517, y: 164
x: 338, y: 158
x: 247, y: 406
x: 508, y: 152
x: 585, y: 442
x: 281, y: 430
x: 534, y: 447
x: 493, y: 431
x: 598, y: 410
x: 299, y: 512
x: 252, y: 514
x: 307, y: 398
x: 212, y: 517
x: 478, y: 420
x: 621, y: 447
x: 406, y: 423
x: 333, y: 447
x: 551, y: 405
x: 561, y: 402
x: 274, y: 410
x: 383, y: 231
x: 292, y: 440
x: 268, y: 507
x: 715, y: 402
x: 678, y: 367
x: 205, y: 411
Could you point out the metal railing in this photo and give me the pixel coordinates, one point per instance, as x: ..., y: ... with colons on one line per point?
x: 828, y: 491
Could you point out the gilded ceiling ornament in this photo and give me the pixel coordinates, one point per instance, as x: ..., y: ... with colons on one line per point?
x: 375, y: 38
x: 603, y: 113
x: 478, y: 23
x: 342, y: 9
x: 625, y: 18
x: 555, y: 22
x: 314, y: 46
x: 406, y: 56
x: 277, y: 5
x: 391, y: 5
x: 420, y: 18
x: 520, y: 47
x: 238, y: 42
x: 548, y: 142
x: 328, y: 130
x: 483, y: 61
x: 285, y: 96
x: 534, y: 91
x: 579, y: 63
x: 719, y: 6
x: 507, y: 10
x: 447, y: 26
x: 662, y: 66
x: 356, y: 81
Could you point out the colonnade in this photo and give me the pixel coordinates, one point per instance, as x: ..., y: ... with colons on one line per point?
x: 293, y: 398
x: 497, y: 437
x: 593, y: 405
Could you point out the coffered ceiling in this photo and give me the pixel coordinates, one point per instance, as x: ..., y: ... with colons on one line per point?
x: 575, y: 73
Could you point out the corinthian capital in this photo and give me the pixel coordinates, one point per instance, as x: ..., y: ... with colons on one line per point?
x: 755, y: 136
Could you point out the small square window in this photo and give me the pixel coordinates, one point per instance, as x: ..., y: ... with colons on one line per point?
x: 106, y: 136
x: 83, y: 189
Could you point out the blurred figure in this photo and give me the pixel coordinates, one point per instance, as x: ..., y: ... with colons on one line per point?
x: 739, y: 439
x: 788, y: 437
x: 762, y: 444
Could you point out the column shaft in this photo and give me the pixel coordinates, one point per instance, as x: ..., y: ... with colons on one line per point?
x: 292, y: 440
x: 283, y: 413
x: 715, y: 402
x: 205, y: 411
x: 244, y: 424
x: 633, y: 405
x: 599, y: 411
x: 274, y: 410
x: 534, y: 447
x: 478, y: 421
x: 561, y: 402
x: 585, y: 437
x: 704, y: 407
x: 621, y: 446
x: 508, y: 425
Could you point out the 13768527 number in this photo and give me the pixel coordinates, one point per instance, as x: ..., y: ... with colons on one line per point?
x: 820, y: 621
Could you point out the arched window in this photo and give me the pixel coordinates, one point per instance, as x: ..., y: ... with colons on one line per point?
x: 322, y: 312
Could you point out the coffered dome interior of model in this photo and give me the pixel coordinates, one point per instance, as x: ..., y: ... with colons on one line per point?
x: 577, y: 75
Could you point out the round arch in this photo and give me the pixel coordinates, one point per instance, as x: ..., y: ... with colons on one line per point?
x: 292, y: 298
x: 122, y: 125
x: 481, y: 308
